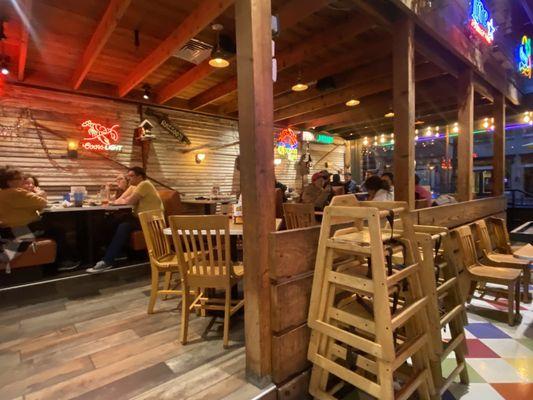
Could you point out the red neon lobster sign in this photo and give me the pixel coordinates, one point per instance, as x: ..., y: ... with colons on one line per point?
x: 101, y: 137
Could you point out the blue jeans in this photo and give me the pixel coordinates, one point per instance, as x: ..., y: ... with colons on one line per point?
x: 120, y: 238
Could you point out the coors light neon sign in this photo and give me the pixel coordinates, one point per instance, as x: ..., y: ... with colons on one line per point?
x: 100, y: 137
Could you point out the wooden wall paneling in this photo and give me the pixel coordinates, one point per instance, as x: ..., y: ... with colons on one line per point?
x: 290, y: 302
x: 289, y: 353
x: 254, y: 64
x: 465, y: 143
x: 404, y: 110
x: 498, y: 146
x: 63, y: 113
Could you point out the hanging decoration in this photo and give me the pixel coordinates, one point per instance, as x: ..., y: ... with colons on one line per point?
x: 287, y: 144
x: 100, y: 137
x: 480, y: 21
x: 166, y: 124
x: 525, y: 58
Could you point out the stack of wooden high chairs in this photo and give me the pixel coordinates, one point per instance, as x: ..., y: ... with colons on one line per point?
x: 368, y: 313
x: 440, y: 282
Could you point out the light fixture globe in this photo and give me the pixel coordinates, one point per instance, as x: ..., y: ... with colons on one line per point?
x: 218, y: 57
x: 299, y: 87
x: 218, y: 62
x: 352, y: 103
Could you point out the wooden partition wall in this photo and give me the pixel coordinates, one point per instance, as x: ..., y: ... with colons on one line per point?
x: 41, y: 149
x: 292, y: 262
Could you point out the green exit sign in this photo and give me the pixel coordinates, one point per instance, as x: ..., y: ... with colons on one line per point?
x: 320, y: 138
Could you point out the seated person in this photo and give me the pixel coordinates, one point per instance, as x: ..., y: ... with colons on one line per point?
x: 20, y: 221
x: 378, y: 189
x: 336, y: 180
x: 31, y: 184
x: 349, y: 184
x: 122, y: 185
x: 421, y: 192
x: 389, y: 177
x: 283, y: 188
x: 318, y: 192
x: 142, y: 196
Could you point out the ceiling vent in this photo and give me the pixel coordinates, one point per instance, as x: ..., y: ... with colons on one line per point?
x: 195, y: 51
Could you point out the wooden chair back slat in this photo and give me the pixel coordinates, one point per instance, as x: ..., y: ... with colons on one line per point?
x: 152, y: 224
x: 467, y: 246
x: 483, y: 234
x: 299, y: 215
x: 502, y: 241
x: 203, y: 244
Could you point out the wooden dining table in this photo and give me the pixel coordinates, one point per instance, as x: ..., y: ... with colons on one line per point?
x: 87, y: 219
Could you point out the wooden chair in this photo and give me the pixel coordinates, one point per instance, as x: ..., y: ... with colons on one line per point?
x: 203, y: 247
x: 490, y: 256
x: 502, y: 241
x: 478, y: 272
x: 299, y: 215
x: 162, y: 258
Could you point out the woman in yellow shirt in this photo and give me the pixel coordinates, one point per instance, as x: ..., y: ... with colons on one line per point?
x: 20, y: 221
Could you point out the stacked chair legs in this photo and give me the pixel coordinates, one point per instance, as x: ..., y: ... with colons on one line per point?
x: 440, y: 280
x: 368, y: 313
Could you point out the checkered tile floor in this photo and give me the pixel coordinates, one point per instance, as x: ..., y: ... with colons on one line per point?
x: 500, y: 358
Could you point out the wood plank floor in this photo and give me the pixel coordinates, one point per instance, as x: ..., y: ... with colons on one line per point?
x: 107, y: 347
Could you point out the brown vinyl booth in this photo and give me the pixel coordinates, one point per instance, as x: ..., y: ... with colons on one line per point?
x: 41, y: 252
x: 171, y: 203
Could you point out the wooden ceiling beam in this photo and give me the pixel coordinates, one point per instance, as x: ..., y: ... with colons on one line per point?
x: 305, y: 112
x: 109, y: 21
x: 25, y: 11
x: 347, y: 61
x: 185, y: 80
x: 293, y: 55
x: 290, y: 14
x: 374, y: 80
x: 196, y: 21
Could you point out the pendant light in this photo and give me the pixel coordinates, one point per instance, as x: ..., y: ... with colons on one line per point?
x: 352, y: 103
x: 299, y: 86
x: 218, y: 57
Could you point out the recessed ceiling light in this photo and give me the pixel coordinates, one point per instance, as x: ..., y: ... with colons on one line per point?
x: 390, y: 114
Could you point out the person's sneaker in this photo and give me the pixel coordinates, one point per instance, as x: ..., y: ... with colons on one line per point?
x: 68, y: 265
x: 100, y: 266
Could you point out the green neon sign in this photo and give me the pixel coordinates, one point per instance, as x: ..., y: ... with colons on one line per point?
x: 320, y: 138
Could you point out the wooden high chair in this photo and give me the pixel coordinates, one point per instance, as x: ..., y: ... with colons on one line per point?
x: 162, y: 259
x: 299, y: 215
x: 478, y: 272
x: 493, y: 258
x: 202, y: 244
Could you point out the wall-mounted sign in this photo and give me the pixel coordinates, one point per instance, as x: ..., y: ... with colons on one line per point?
x: 287, y: 144
x: 525, y: 60
x: 166, y: 124
x: 481, y: 22
x: 100, y: 137
x: 326, y: 139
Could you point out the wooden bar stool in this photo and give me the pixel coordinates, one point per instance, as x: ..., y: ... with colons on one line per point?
x: 367, y: 319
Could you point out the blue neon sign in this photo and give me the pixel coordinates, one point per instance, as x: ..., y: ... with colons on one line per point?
x: 481, y: 22
x: 525, y: 58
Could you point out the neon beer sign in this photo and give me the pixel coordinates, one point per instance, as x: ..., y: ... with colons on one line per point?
x: 100, y: 137
x: 481, y: 22
x: 524, y: 57
x: 287, y: 144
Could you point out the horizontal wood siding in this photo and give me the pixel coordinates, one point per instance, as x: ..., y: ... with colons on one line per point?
x: 59, y: 116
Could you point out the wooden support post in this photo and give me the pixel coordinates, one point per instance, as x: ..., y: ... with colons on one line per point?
x: 498, y: 146
x: 465, y: 142
x: 256, y: 110
x: 404, y: 111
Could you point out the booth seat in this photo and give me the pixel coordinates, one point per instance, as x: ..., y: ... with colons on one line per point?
x: 171, y: 203
x: 42, y: 252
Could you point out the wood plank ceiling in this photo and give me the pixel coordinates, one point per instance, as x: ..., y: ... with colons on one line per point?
x: 90, y: 46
